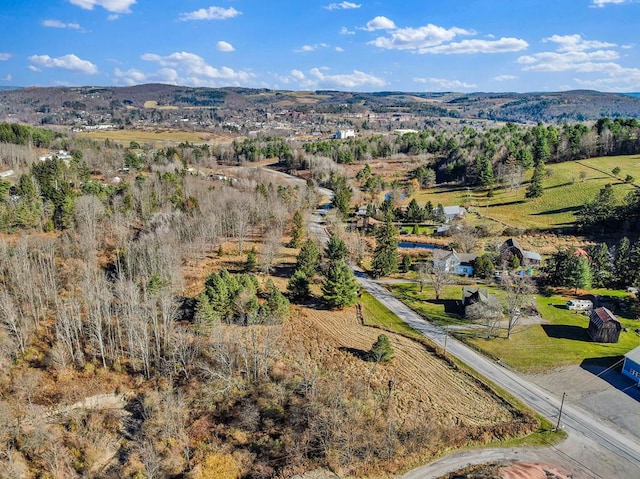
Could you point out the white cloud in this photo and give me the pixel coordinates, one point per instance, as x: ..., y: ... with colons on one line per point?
x: 574, y: 53
x: 59, y: 24
x: 186, y: 69
x: 503, y: 45
x: 446, y: 84
x: 223, y: 46
x: 573, y: 43
x: 211, y: 13
x: 353, y: 80
x: 505, y: 78
x: 589, y: 57
x: 5, y: 56
x: 602, y: 3
x: 310, y: 48
x: 319, y: 78
x: 339, y: 49
x: 435, y: 39
x: 136, y: 77
x: 380, y: 23
x: 615, y: 80
x: 68, y: 62
x: 417, y: 38
x: 116, y: 6
x: 297, y: 75
x: 7, y: 78
x: 346, y: 31
x: 112, y: 17
x: 342, y: 6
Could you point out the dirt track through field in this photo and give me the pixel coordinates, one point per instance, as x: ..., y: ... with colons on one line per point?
x: 423, y: 382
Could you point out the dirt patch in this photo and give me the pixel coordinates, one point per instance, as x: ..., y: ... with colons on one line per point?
x: 518, y: 470
x: 527, y: 470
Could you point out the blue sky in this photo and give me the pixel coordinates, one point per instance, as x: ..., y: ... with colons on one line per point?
x: 366, y: 45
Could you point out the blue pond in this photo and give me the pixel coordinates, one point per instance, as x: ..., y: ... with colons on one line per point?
x: 408, y: 244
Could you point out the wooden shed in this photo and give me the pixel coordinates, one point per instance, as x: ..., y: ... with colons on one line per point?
x: 603, y: 326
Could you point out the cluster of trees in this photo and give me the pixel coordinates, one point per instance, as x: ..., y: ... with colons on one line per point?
x: 235, y: 299
x: 339, y: 286
x: 597, y: 265
x: 493, y: 156
x: 17, y: 134
x: 260, y: 148
x: 605, y: 213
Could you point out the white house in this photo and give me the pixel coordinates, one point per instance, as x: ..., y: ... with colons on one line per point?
x: 343, y: 134
x: 454, y: 262
x: 453, y: 212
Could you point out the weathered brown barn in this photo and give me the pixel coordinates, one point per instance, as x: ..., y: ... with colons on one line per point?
x: 603, y: 326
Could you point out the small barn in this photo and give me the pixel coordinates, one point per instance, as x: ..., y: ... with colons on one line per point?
x: 631, y: 365
x: 603, y: 326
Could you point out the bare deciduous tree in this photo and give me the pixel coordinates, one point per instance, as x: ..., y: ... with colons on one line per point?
x: 518, y: 297
x: 435, y: 275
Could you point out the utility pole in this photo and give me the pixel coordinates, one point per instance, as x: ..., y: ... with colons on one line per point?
x: 560, y: 413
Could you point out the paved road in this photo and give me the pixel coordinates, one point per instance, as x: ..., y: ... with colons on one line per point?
x: 595, y: 449
x: 587, y: 431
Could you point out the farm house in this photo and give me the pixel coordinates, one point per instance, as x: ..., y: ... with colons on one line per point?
x: 603, y: 326
x: 631, y: 365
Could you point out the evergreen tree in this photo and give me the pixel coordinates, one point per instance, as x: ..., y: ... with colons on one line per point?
x: 600, y: 263
x: 205, y: 315
x: 634, y: 265
x: 298, y: 286
x: 276, y: 306
x: 483, y: 267
x: 485, y: 171
x: 385, y: 256
x: 336, y: 249
x: 381, y: 351
x: 308, y: 258
x: 406, y: 263
x: 414, y: 213
x: 342, y: 194
x: 579, y: 273
x: 297, y: 230
x: 340, y: 288
x: 438, y: 214
x: 535, y: 190
x: 252, y: 261
x: 621, y: 262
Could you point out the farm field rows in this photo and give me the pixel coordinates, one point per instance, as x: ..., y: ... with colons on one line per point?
x: 424, y: 382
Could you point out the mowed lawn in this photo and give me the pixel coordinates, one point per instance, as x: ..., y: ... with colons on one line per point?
x: 561, y: 339
x: 567, y: 186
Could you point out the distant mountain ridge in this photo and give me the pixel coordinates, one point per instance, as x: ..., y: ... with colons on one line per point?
x: 95, y: 104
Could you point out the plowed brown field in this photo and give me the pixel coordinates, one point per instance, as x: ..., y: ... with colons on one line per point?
x: 422, y: 381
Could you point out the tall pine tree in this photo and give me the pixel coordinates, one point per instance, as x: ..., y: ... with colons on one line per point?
x: 340, y: 288
x: 385, y: 259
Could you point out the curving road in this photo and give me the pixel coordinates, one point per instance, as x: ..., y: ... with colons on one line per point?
x: 594, y: 449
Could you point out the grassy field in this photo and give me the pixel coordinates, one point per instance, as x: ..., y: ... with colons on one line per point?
x: 567, y: 186
x: 561, y: 340
x: 152, y: 136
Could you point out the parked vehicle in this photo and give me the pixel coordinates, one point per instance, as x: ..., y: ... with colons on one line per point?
x: 579, y: 305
